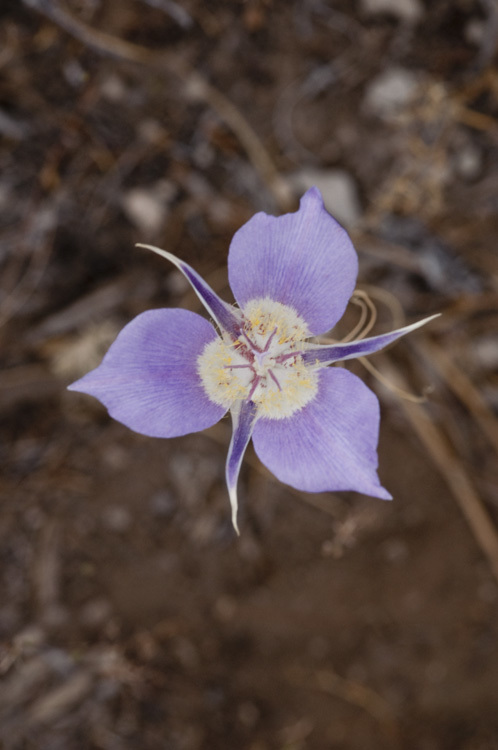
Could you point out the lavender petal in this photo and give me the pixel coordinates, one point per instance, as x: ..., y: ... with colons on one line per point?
x: 243, y: 420
x: 330, y: 444
x: 148, y: 379
x: 325, y: 355
x: 304, y: 260
x: 222, y: 313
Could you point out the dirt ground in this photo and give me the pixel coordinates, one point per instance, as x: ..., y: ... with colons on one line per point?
x: 131, y: 616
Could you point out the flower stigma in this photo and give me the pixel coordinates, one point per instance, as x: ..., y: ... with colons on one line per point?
x: 264, y: 364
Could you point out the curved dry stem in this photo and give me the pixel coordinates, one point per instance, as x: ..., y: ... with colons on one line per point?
x: 406, y: 395
x: 462, y: 386
x: 355, y: 693
x: 195, y: 85
x: 390, y: 301
x: 364, y: 325
x: 450, y: 466
x: 363, y: 319
x: 359, y: 294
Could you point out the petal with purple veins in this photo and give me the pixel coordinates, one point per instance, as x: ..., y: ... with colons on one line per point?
x: 148, y: 379
x: 326, y: 355
x: 243, y: 420
x: 222, y: 313
x: 304, y: 260
x: 330, y: 444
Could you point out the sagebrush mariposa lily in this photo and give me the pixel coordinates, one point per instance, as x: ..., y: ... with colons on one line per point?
x: 171, y: 372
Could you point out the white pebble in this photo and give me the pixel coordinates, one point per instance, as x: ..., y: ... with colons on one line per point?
x: 409, y: 11
x: 338, y: 190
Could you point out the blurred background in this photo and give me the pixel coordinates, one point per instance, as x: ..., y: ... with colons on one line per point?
x: 131, y: 616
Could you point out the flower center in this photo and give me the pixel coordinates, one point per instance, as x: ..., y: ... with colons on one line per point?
x: 264, y: 364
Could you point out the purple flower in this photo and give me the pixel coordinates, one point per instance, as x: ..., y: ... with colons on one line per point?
x: 171, y: 372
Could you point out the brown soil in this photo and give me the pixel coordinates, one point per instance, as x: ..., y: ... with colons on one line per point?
x: 131, y: 616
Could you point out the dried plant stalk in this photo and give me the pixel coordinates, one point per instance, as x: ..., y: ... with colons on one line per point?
x: 462, y: 387
x: 196, y: 87
x: 451, y: 468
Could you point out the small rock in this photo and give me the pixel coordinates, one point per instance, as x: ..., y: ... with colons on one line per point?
x: 485, y: 352
x: 83, y: 351
x: 338, y: 190
x: 162, y: 504
x: 225, y: 608
x: 468, y: 161
x: 248, y: 714
x: 113, y: 88
x: 176, y: 284
x: 116, y: 518
x: 490, y: 394
x: 408, y: 11
x: 151, y: 131
x: 74, y: 73
x: 29, y: 640
x: 13, y: 128
x: 148, y: 207
x: 55, y: 616
x: 186, y: 652
x: 95, y: 613
x: 58, y: 660
x: 474, y: 31
x: 390, y: 91
x: 4, y: 190
x: 395, y: 551
x: 203, y: 155
x: 115, y: 457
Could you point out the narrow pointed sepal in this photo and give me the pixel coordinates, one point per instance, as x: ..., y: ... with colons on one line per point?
x: 243, y: 420
x: 221, y: 312
x: 326, y: 355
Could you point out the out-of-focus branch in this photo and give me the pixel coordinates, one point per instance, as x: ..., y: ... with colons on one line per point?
x: 462, y: 387
x: 451, y: 468
x: 195, y: 85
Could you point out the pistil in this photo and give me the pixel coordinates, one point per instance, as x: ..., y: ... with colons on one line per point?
x: 265, y: 365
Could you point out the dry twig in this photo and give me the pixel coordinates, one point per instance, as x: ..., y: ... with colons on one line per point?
x: 451, y: 468
x: 436, y: 357
x: 354, y: 693
x: 195, y: 86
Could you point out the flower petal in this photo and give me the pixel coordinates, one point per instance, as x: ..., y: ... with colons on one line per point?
x: 243, y: 420
x: 222, y: 313
x: 325, y: 355
x: 304, y: 260
x: 331, y: 444
x: 148, y: 379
